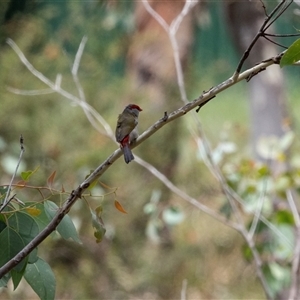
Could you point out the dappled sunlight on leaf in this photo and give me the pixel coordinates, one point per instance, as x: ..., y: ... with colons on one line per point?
x: 33, y: 211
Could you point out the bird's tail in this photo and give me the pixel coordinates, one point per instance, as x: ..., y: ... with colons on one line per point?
x: 128, y: 156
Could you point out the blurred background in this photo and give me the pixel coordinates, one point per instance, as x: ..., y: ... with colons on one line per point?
x: 163, y: 242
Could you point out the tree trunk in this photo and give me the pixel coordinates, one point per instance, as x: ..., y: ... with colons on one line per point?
x: 267, y: 98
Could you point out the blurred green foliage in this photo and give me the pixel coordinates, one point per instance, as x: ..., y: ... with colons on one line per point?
x: 128, y: 263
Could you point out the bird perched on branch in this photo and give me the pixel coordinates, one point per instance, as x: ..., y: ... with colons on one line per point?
x: 126, y: 131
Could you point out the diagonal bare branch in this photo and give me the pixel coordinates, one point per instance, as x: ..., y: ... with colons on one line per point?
x: 101, y: 169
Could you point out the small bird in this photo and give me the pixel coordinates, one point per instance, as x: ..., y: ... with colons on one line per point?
x: 126, y: 131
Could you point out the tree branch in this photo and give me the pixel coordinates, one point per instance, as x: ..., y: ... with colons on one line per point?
x: 270, y: 19
x: 95, y: 119
x: 180, y: 112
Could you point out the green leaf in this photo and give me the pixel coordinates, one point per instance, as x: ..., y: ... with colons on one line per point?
x: 32, y: 257
x: 292, y: 54
x: 278, y: 277
x: 263, y: 171
x: 282, y: 183
x: 93, y: 183
x: 16, y: 277
x: 4, y: 280
x: 42, y: 218
x: 26, y: 230
x: 25, y: 225
x: 11, y: 243
x: 66, y: 227
x: 98, y: 224
x: 27, y: 174
x: 284, y: 217
x: 283, y: 248
x: 3, y: 190
x: 2, y: 225
x: 246, y: 250
x: 41, y: 278
x: 226, y: 210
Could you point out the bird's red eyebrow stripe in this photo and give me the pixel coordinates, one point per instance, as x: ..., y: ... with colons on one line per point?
x: 136, y: 106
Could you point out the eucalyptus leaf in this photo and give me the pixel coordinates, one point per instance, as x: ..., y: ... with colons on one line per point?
x: 66, y: 227
x: 291, y: 55
x: 41, y: 278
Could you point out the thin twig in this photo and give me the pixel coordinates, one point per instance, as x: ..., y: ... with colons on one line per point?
x: 258, y: 263
x: 79, y: 55
x: 293, y: 207
x: 156, y: 16
x: 171, y: 32
x: 57, y: 88
x: 183, y: 290
x: 295, y: 268
x: 282, y: 35
x: 264, y: 8
x: 7, y: 199
x: 178, y: 20
x: 282, y: 7
x: 80, y: 90
x: 273, y: 42
x: 185, y: 196
x: 31, y: 92
x: 270, y: 19
x: 29, y: 66
x: 103, y: 167
x: 296, y: 256
x: 100, y: 170
x: 258, y: 211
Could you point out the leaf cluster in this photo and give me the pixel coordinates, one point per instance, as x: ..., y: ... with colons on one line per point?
x: 20, y: 223
x: 262, y: 191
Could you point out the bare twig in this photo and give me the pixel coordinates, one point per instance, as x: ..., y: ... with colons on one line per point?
x: 93, y: 115
x: 209, y: 161
x: 171, y: 31
x: 156, y: 16
x: 258, y: 211
x: 277, y: 12
x: 258, y: 263
x: 296, y: 257
x: 293, y: 207
x: 273, y: 42
x: 270, y: 19
x: 185, y: 196
x: 114, y: 156
x: 7, y: 199
x: 90, y: 111
x: 183, y: 290
x: 78, y: 56
x: 295, y: 268
x: 282, y: 35
x: 178, y: 20
x: 31, y: 92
